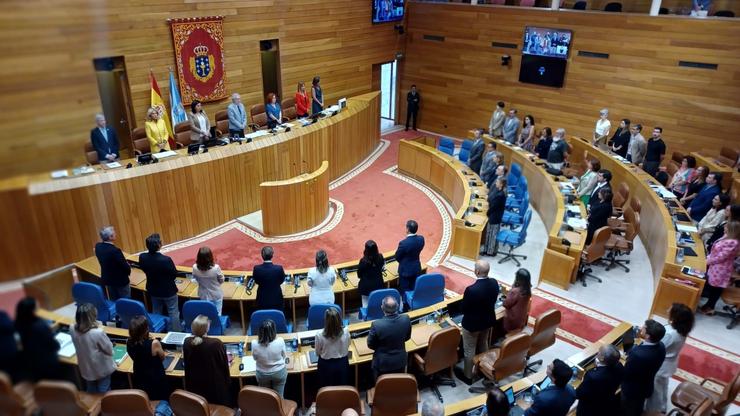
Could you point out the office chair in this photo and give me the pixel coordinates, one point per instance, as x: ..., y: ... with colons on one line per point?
x: 499, y: 363
x: 514, y: 199
x: 62, y: 398
x: 192, y: 308
x: 428, y: 290
x: 393, y: 395
x: 281, y: 324
x: 441, y: 354
x: 464, y: 154
x: 15, y: 400
x: 289, y: 109
x: 375, y: 300
x: 127, y: 402
x: 613, y: 7
x: 542, y: 336
x: 579, y: 5
x: 261, y: 401
x: 620, y: 198
x: 515, y: 239
x: 129, y: 308
x: 688, y: 394
x: 90, y: 154
x: 514, y: 176
x: 185, y: 403
x: 140, y: 141
x: 446, y: 145
x: 515, y: 217
x: 84, y: 292
x: 724, y: 13
x: 315, y: 318
x: 333, y: 400
x: 622, y: 245
x: 731, y: 297
x: 593, y: 254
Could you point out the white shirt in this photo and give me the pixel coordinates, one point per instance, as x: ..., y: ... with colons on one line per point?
x: 209, y: 286
x: 271, y: 357
x: 602, y: 127
x: 322, y: 286
x: 202, y: 122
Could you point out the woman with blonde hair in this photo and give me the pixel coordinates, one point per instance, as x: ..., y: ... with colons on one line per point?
x: 206, y: 364
x: 156, y: 131
x: 94, y: 350
x: 301, y: 101
x: 332, y: 348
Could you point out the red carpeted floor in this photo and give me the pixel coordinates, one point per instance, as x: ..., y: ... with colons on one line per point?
x: 376, y: 206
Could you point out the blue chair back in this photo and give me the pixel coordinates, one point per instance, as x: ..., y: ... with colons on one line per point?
x: 516, y: 170
x: 84, y: 292
x: 512, y: 179
x: 429, y: 289
x: 464, y: 155
x: 316, y: 315
x: 127, y: 309
x: 281, y: 324
x: 447, y: 145
x: 521, y: 188
x: 525, y: 225
x: 375, y: 300
x: 467, y: 145
x: 192, y: 308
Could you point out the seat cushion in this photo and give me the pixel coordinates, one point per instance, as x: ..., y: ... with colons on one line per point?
x: 289, y: 407
x: 25, y: 391
x: 486, y: 362
x: 91, y: 402
x: 688, y: 394
x: 218, y: 410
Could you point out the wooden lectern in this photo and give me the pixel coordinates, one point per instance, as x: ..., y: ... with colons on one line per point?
x: 296, y: 204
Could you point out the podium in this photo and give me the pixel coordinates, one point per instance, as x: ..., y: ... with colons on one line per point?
x: 296, y: 204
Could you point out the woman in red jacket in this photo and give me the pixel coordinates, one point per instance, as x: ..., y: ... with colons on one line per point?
x: 301, y: 101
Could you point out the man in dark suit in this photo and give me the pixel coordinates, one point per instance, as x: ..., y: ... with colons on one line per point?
x: 556, y: 399
x: 387, y: 338
x: 114, y: 269
x: 412, y: 109
x: 599, y: 213
x: 479, y: 315
x: 643, y: 362
x: 597, y: 392
x: 269, y: 277
x: 603, y: 180
x: 161, y: 274
x: 407, y: 255
x: 104, y: 140
x: 703, y: 202
x: 475, y: 160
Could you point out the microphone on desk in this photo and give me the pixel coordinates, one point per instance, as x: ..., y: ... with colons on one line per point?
x: 296, y: 283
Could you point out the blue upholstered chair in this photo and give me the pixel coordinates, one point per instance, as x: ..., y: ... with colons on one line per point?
x: 514, y: 239
x: 281, y: 324
x: 84, y: 292
x: 514, y: 176
x: 514, y: 199
x: 515, y: 217
x: 464, y: 154
x: 316, y: 316
x: 129, y: 308
x: 192, y: 308
x: 447, y: 145
x: 375, y: 300
x: 428, y: 290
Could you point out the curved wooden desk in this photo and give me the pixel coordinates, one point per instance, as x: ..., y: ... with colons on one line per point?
x: 49, y: 223
x: 296, y: 204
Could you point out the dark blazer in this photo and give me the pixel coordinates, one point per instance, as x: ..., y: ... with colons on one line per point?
x: 702, y: 203
x: 596, y: 394
x: 407, y: 254
x: 475, y: 161
x: 621, y: 139
x: 594, y: 199
x: 479, y: 305
x: 160, y: 274
x: 719, y: 232
x: 496, y: 205
x: 102, y: 146
x: 552, y: 401
x: 207, y: 370
x: 269, y: 278
x: 114, y: 269
x: 39, y: 354
x: 643, y: 362
x: 387, y: 338
x: 413, y: 101
x: 597, y: 218
x: 371, y: 276
x: 543, y: 147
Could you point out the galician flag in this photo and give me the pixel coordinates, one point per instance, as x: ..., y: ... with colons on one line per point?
x: 178, y: 111
x: 158, y: 103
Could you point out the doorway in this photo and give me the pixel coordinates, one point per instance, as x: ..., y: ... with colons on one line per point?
x: 270, y: 58
x: 388, y: 90
x: 115, y: 98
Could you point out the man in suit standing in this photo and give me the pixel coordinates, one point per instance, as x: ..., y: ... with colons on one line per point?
x: 479, y: 315
x: 387, y: 338
x: 643, y: 362
x: 104, y: 140
x: 237, y: 116
x: 603, y: 180
x: 407, y: 255
x: 161, y: 274
x: 511, y: 127
x: 556, y: 399
x: 412, y: 109
x: 476, y: 152
x: 269, y: 278
x: 638, y: 145
x: 597, y: 392
x: 703, y: 202
x: 496, y: 125
x: 114, y: 269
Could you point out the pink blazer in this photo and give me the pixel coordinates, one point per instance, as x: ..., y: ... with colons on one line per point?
x: 720, y: 261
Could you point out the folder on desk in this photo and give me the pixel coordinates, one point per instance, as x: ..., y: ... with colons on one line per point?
x: 163, y: 155
x: 361, y: 346
x: 573, y: 237
x: 250, y: 366
x: 119, y: 354
x: 66, y: 347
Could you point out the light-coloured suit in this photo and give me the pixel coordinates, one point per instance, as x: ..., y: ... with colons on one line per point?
x: 511, y: 128
x: 237, y: 117
x: 195, y: 131
x: 496, y: 125
x: 637, y: 148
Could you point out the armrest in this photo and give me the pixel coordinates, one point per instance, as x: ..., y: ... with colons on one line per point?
x: 713, y: 380
x: 179, y: 145
x: 137, y: 152
x: 370, y: 396
x: 254, y: 127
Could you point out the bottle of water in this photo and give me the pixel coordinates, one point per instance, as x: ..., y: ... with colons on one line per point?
x: 679, y: 255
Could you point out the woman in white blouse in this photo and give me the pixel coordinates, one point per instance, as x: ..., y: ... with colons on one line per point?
x: 714, y: 217
x: 321, y: 281
x: 200, y: 127
x: 209, y: 277
x: 332, y: 348
x: 268, y: 351
x: 601, y: 131
x: 94, y: 350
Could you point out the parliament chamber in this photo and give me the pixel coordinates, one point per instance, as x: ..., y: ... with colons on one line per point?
x: 224, y: 208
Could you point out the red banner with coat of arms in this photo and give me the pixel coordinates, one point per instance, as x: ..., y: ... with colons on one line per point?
x: 199, y: 54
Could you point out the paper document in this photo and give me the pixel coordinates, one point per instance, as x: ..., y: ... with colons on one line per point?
x: 686, y: 228
x: 162, y: 155
x: 112, y: 165
x: 574, y: 209
x: 57, y: 174
x: 250, y: 365
x: 66, y: 347
x: 256, y: 134
x: 175, y: 338
x: 578, y: 223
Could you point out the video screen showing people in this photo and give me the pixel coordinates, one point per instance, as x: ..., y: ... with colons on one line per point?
x: 547, y: 42
x: 387, y: 10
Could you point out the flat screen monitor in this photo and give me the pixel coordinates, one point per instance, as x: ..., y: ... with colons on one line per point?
x: 387, y: 10
x: 542, y: 41
x: 542, y: 70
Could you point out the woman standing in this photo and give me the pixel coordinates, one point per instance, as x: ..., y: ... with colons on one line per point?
x: 720, y: 265
x: 274, y: 112
x: 587, y: 181
x: 39, y: 358
x: 714, y: 217
x: 268, y: 351
x: 543, y: 146
x: 94, y: 350
x: 526, y: 137
x: 681, y: 320
x: 683, y: 176
x: 517, y: 302
x: 209, y: 277
x: 620, y: 142
x: 695, y: 185
x: 496, y: 206
x: 332, y: 347
x: 200, y: 127
x: 301, y: 101
x: 206, y: 364
x: 147, y: 354
x: 370, y: 271
x: 321, y: 281
x: 317, y: 96
x: 601, y: 130
x: 156, y: 131
x: 599, y: 212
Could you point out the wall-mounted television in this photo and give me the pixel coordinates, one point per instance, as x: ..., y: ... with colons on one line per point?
x: 544, y: 41
x: 542, y: 70
x: 387, y: 10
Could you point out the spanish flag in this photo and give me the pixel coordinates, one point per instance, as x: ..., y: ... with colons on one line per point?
x: 158, y: 103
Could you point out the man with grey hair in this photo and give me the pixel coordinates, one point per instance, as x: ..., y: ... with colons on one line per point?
x: 596, y: 394
x: 387, y: 338
x: 104, y: 140
x: 558, y: 150
x: 114, y: 269
x: 237, y: 116
x: 432, y: 407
